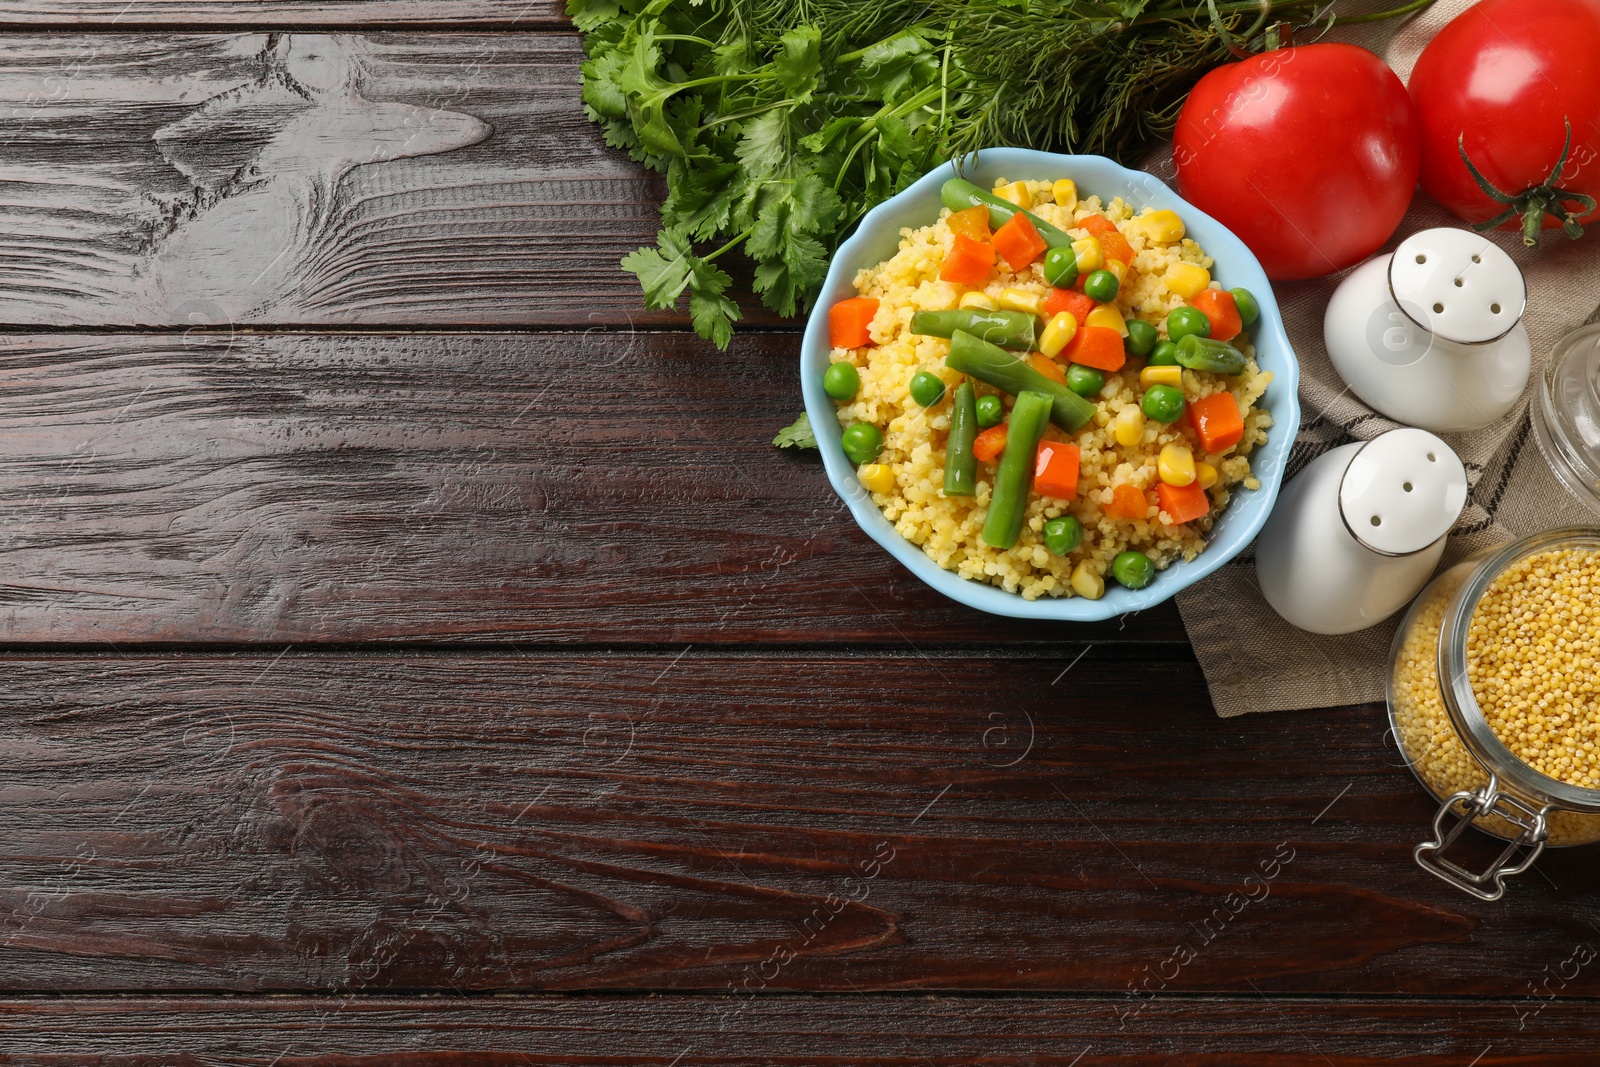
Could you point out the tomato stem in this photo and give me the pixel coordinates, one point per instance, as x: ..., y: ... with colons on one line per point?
x: 1535, y: 203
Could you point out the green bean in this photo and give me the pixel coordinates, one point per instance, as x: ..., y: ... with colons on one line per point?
x: 960, y: 465
x: 1008, y: 505
x: 1003, y: 370
x: 959, y: 194
x: 1204, y: 353
x: 1008, y: 329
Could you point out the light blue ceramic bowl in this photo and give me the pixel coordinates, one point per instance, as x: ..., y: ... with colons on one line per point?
x: 877, y: 238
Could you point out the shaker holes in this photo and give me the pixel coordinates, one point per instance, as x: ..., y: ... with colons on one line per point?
x: 1407, y: 487
x: 1437, y: 308
x: 1376, y: 521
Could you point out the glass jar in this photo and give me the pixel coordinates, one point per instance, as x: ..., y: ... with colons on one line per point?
x: 1451, y: 746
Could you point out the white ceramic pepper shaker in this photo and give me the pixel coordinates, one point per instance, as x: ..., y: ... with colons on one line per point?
x: 1356, y: 535
x: 1432, y: 336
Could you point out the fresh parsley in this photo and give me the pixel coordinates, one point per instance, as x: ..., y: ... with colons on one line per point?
x: 797, y: 434
x: 779, y: 123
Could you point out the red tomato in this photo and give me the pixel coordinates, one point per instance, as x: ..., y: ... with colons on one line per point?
x: 1309, y: 154
x: 1510, y: 75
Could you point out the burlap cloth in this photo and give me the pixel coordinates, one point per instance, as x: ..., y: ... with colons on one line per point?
x: 1253, y: 660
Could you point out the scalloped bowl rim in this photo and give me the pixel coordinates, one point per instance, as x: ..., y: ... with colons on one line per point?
x: 877, y: 236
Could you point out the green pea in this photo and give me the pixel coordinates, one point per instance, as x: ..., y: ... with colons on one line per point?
x: 840, y: 381
x: 1186, y: 321
x: 862, y: 442
x: 1245, y: 301
x: 1163, y: 403
x: 1133, y: 569
x: 1142, y: 338
x: 1102, y: 285
x: 1061, y: 267
x: 1085, y: 381
x: 1164, y: 354
x: 990, y: 411
x: 1063, y: 535
x: 927, y: 388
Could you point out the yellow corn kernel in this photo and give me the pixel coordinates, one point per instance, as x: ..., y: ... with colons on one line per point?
x: 1090, y: 257
x: 1186, y: 279
x: 1119, y: 268
x: 978, y: 300
x: 1016, y: 192
x: 1163, y: 227
x: 1065, y: 193
x: 1108, y: 316
x: 1058, y: 333
x: 877, y: 477
x: 1019, y: 300
x: 1206, y: 474
x: 1086, y: 583
x: 1128, y: 427
x: 1175, y: 465
x: 1168, y: 375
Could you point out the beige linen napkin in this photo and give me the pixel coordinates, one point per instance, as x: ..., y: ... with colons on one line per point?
x: 1252, y: 659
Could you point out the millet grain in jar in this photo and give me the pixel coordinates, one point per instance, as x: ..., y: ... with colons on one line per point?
x: 1532, y: 648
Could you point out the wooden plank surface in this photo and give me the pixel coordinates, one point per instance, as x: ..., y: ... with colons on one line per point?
x: 284, y: 14
x: 842, y: 1032
x: 748, y: 821
x: 593, y: 487
x: 312, y: 178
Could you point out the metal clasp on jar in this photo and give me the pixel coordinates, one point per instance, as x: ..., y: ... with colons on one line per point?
x: 1518, y: 856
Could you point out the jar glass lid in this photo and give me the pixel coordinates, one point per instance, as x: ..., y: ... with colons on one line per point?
x: 1566, y: 415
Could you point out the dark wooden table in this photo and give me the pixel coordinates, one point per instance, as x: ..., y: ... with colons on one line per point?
x: 417, y: 654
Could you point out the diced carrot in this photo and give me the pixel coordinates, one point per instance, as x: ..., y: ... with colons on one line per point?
x: 1217, y: 422
x: 1018, y: 242
x: 1048, y: 367
x: 972, y: 221
x: 990, y: 443
x: 1099, y: 347
x: 1112, y: 243
x: 1055, y: 471
x: 1219, y: 306
x: 848, y: 322
x: 1183, y: 503
x: 969, y: 262
x: 1066, y: 300
x: 1127, y: 502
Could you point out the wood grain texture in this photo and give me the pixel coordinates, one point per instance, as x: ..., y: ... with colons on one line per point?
x: 597, y: 488
x: 312, y: 178
x: 843, y: 822
x: 841, y: 1032
x: 284, y: 14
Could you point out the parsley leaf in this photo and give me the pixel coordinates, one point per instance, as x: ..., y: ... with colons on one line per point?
x: 797, y: 434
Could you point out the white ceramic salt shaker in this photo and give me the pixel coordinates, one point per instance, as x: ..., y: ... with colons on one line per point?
x: 1356, y: 535
x: 1432, y: 336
